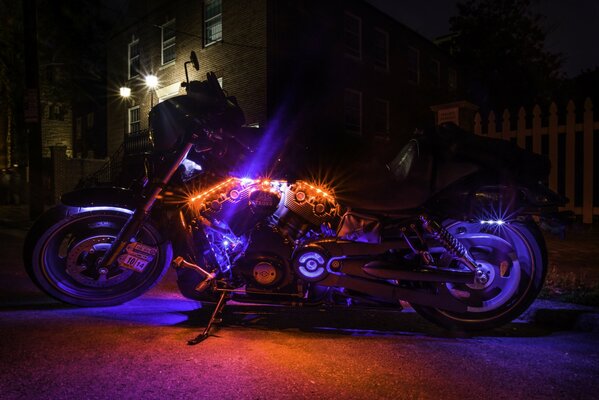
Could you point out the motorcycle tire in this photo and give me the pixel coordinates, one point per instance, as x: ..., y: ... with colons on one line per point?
x: 61, y: 252
x: 504, y: 298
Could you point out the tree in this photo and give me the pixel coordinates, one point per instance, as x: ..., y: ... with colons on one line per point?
x: 500, y: 43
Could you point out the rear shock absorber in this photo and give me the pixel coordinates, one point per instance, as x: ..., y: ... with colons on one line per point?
x: 448, y: 241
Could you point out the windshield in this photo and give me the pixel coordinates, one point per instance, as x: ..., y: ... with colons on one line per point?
x: 402, y: 163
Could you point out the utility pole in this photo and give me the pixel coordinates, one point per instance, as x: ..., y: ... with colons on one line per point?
x: 32, y: 110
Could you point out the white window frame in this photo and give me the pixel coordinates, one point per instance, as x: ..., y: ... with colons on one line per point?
x: 134, y: 41
x: 417, y: 81
x: 169, y: 25
x: 206, y: 21
x: 360, y: 112
x: 386, y: 35
x: 348, y: 14
x: 166, y: 92
x: 384, y: 134
x: 130, y: 122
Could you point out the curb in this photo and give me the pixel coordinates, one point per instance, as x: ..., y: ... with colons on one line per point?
x: 562, y: 316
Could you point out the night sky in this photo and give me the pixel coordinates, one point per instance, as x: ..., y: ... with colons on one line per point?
x: 572, y: 25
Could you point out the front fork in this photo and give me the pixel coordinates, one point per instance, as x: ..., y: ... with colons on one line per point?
x: 143, y: 209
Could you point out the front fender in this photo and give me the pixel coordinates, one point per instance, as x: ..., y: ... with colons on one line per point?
x: 100, y: 197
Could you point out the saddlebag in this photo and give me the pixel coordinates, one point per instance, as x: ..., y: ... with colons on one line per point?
x: 358, y: 227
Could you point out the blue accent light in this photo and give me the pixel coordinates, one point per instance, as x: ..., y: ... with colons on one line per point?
x: 269, y: 148
x: 311, y: 265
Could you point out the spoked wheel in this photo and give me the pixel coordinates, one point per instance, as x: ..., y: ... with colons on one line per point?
x: 64, y: 259
x: 512, y: 264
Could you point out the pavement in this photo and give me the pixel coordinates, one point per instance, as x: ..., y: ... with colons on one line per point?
x: 137, y: 350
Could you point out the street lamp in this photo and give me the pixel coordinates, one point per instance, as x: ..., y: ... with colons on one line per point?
x: 151, y: 83
x: 125, y: 93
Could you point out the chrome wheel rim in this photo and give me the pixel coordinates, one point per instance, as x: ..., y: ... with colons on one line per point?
x: 505, y: 255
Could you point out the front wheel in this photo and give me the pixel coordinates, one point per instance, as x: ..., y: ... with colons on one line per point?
x: 62, y: 254
x: 512, y: 262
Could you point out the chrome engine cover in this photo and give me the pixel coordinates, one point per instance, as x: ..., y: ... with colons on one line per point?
x: 265, y: 273
x: 312, y: 203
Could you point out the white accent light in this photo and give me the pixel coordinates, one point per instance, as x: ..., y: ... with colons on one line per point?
x: 492, y: 222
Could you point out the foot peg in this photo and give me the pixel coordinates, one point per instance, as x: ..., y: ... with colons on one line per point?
x: 180, y: 262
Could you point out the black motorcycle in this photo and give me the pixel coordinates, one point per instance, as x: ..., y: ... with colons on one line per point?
x: 449, y: 225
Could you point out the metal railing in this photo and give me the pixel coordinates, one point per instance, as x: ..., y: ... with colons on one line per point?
x: 120, y: 168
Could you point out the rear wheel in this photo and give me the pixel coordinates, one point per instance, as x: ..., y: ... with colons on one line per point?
x: 512, y: 264
x: 62, y: 254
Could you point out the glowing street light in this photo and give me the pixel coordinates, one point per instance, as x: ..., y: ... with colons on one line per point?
x: 125, y: 92
x: 151, y: 83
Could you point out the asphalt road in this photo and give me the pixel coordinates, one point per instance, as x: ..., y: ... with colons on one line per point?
x: 138, y: 350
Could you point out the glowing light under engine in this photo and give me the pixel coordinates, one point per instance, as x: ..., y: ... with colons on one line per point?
x: 492, y: 222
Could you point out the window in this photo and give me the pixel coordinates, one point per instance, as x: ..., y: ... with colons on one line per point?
x: 380, y: 49
x: 381, y: 117
x: 213, y: 19
x: 134, y: 119
x: 78, y: 128
x: 168, y: 42
x: 56, y: 112
x: 452, y: 79
x: 352, y: 107
x: 353, y: 35
x: 50, y: 73
x: 413, y: 65
x: 133, y: 58
x: 90, y: 120
x: 433, y: 72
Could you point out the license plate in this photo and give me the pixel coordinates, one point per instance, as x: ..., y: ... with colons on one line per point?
x: 137, y: 256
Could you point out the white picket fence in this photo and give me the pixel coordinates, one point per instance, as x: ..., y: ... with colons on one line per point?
x: 553, y: 130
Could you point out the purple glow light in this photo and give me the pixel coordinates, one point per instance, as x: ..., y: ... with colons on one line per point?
x: 106, y: 208
x: 270, y: 148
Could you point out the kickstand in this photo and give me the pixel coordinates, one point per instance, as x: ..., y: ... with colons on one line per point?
x: 213, y: 320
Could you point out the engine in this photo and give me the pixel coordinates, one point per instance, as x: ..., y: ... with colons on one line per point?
x: 239, y: 203
x: 255, y: 225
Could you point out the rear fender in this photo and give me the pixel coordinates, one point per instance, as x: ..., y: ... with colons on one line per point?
x: 480, y: 195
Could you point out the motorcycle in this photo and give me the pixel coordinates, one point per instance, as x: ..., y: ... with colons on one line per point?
x: 448, y: 226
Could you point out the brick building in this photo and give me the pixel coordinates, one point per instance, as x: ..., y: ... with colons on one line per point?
x: 56, y: 110
x: 325, y: 70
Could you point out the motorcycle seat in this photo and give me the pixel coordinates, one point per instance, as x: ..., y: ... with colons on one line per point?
x: 392, y: 188
x: 406, y: 182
